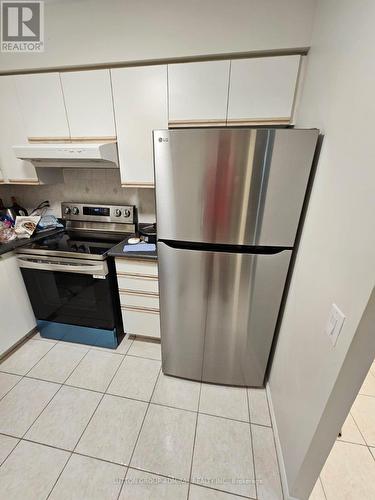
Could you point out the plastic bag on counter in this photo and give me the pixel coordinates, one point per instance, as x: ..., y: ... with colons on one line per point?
x: 7, y: 232
x: 26, y: 225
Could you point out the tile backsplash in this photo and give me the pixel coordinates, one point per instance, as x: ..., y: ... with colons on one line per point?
x: 84, y: 186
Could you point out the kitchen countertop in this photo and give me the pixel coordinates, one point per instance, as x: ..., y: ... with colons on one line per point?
x: 17, y: 243
x: 118, y: 251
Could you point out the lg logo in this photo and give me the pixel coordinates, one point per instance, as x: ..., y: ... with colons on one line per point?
x: 22, y: 26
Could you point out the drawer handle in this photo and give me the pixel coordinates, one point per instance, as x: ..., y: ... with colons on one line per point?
x: 140, y: 309
x: 139, y: 276
x: 132, y: 292
x: 139, y: 294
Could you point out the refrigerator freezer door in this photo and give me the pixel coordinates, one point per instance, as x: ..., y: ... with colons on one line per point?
x: 218, y: 313
x: 232, y: 186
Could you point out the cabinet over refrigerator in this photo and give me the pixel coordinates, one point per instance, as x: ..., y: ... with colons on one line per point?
x: 228, y: 206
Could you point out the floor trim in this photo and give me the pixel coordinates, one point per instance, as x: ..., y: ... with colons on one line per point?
x: 284, y: 480
x: 18, y: 344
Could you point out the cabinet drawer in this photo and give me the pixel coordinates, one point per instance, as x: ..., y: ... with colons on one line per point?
x: 144, y: 301
x: 138, y: 284
x: 141, y: 322
x: 137, y: 267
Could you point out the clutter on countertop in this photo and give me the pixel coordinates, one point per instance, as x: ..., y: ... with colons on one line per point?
x: 134, y: 247
x: 6, y: 231
x: 41, y: 209
x: 140, y: 247
x: 26, y: 226
x: 10, y: 213
x: 48, y: 222
x: 17, y: 227
x: 10, y: 245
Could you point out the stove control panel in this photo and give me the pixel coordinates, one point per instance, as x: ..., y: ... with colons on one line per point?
x: 98, y: 213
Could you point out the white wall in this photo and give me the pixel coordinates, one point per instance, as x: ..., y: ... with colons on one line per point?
x: 80, y: 32
x: 336, y: 259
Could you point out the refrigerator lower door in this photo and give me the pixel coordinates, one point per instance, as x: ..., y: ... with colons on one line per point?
x: 183, y: 288
x: 218, y: 313
x: 244, y: 298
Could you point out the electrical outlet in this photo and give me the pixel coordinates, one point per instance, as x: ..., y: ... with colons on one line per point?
x: 334, y: 324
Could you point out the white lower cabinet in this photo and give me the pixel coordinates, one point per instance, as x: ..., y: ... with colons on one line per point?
x: 135, y: 267
x: 139, y: 296
x: 138, y: 284
x: 139, y: 300
x: 145, y: 323
x: 17, y: 317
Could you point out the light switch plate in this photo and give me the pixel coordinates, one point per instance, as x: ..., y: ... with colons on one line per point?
x: 334, y: 324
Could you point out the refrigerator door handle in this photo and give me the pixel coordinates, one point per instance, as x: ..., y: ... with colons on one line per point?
x: 218, y: 247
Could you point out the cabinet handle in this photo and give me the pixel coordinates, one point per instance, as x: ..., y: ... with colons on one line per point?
x: 148, y: 294
x: 139, y: 293
x: 284, y: 120
x: 150, y: 185
x: 139, y: 276
x: 196, y: 123
x: 140, y: 309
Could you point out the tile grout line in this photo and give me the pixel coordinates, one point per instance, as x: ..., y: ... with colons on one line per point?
x: 366, y: 395
x: 139, y: 433
x: 80, y: 437
x: 50, y: 400
x: 355, y: 422
x: 143, y: 400
x: 26, y: 374
x: 23, y: 375
x: 45, y: 407
x: 340, y: 440
x: 13, y: 386
x: 126, y: 467
x: 140, y: 400
x: 194, y: 440
x: 12, y: 450
x: 149, y: 402
x: 252, y: 444
x: 321, y: 483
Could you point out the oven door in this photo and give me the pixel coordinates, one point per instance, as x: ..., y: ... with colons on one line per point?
x: 70, y: 291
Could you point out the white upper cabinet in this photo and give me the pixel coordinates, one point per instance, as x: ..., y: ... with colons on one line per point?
x: 198, y: 93
x: 263, y: 89
x: 88, y: 101
x: 140, y: 101
x: 42, y: 105
x: 12, y: 132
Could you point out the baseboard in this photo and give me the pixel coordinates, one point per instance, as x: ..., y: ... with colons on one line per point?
x: 15, y: 346
x: 284, y: 481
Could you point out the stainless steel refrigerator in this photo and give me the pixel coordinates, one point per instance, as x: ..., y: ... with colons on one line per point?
x: 228, y: 206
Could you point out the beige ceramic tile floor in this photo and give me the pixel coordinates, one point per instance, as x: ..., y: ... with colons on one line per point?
x: 349, y: 472
x: 91, y: 423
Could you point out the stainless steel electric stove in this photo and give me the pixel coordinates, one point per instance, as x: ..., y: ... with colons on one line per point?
x: 70, y: 279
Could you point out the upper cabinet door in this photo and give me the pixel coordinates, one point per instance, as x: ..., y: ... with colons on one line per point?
x: 198, y: 93
x: 12, y: 132
x: 262, y: 90
x: 140, y: 100
x: 89, y: 105
x: 42, y: 105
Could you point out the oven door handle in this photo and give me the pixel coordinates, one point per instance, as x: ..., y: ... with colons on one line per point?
x: 59, y: 265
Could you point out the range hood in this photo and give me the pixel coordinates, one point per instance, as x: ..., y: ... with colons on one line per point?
x: 65, y: 155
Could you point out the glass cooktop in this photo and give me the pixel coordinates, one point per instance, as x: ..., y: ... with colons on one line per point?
x: 70, y: 242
